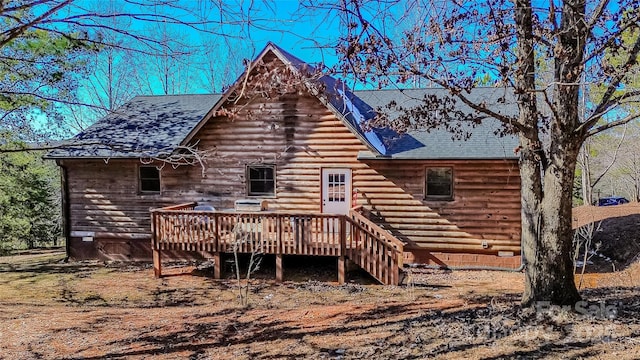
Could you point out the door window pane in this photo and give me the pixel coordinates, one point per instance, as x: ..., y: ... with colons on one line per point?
x: 336, y: 187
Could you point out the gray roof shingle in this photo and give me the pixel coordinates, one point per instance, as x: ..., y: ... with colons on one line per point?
x: 145, y: 126
x: 483, y: 142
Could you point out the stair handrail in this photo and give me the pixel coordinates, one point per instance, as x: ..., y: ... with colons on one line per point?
x: 393, y: 245
x: 385, y: 234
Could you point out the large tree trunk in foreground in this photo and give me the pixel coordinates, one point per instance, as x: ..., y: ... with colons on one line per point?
x: 547, y: 236
x: 549, y: 156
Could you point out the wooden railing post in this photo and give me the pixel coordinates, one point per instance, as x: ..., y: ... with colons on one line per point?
x: 342, y: 268
x: 157, y: 263
x: 278, y: 250
x: 155, y: 246
x: 395, y: 266
x: 279, y: 269
x: 217, y: 265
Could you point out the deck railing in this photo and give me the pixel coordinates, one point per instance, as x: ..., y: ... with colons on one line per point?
x: 181, y: 228
x: 374, y: 249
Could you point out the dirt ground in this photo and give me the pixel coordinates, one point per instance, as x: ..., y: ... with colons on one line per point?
x: 50, y: 309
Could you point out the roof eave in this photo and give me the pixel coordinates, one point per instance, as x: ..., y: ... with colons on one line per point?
x: 363, y: 156
x: 92, y: 157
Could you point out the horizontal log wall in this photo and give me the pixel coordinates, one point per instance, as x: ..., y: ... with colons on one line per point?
x: 298, y: 141
x: 485, y: 206
x: 104, y: 199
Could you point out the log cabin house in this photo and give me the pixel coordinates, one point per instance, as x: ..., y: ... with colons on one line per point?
x: 284, y: 160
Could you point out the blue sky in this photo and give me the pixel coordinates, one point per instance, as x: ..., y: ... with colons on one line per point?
x: 285, y: 23
x: 300, y: 36
x: 281, y: 22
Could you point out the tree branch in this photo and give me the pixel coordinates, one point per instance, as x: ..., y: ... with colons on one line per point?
x: 612, y: 124
x: 604, y: 105
x: 52, y: 99
x: 45, y: 147
x: 595, y: 117
x: 11, y: 34
x: 613, y: 160
x: 597, y: 13
x: 506, y: 120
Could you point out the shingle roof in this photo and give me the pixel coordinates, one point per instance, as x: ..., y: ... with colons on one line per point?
x: 150, y: 125
x: 483, y: 142
x: 357, y: 107
x: 144, y: 126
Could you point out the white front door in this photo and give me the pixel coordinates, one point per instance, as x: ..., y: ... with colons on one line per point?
x: 336, y: 191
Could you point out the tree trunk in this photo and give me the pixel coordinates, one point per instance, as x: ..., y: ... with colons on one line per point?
x: 587, y: 187
x: 549, y: 270
x: 547, y: 236
x: 531, y: 194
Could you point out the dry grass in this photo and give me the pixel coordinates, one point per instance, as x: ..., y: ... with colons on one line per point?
x: 53, y: 310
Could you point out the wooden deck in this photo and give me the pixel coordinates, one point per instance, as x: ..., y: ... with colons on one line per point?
x: 351, y: 236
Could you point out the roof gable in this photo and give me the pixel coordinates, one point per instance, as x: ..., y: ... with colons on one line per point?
x: 333, y: 93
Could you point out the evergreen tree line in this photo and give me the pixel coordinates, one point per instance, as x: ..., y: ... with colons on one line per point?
x: 29, y: 199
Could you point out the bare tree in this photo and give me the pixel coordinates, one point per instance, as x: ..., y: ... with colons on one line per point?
x: 582, y: 240
x: 243, y: 239
x: 220, y: 63
x: 458, y: 43
x: 110, y: 82
x: 119, y: 32
x: 168, y: 71
x: 628, y: 168
x: 606, y: 159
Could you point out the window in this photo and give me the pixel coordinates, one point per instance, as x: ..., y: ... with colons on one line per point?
x: 439, y: 183
x: 336, y: 187
x: 261, y: 180
x: 149, y: 179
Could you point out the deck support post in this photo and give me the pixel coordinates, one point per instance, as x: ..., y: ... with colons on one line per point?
x: 343, y: 249
x: 341, y: 269
x: 279, y: 269
x: 157, y: 263
x: 217, y: 265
